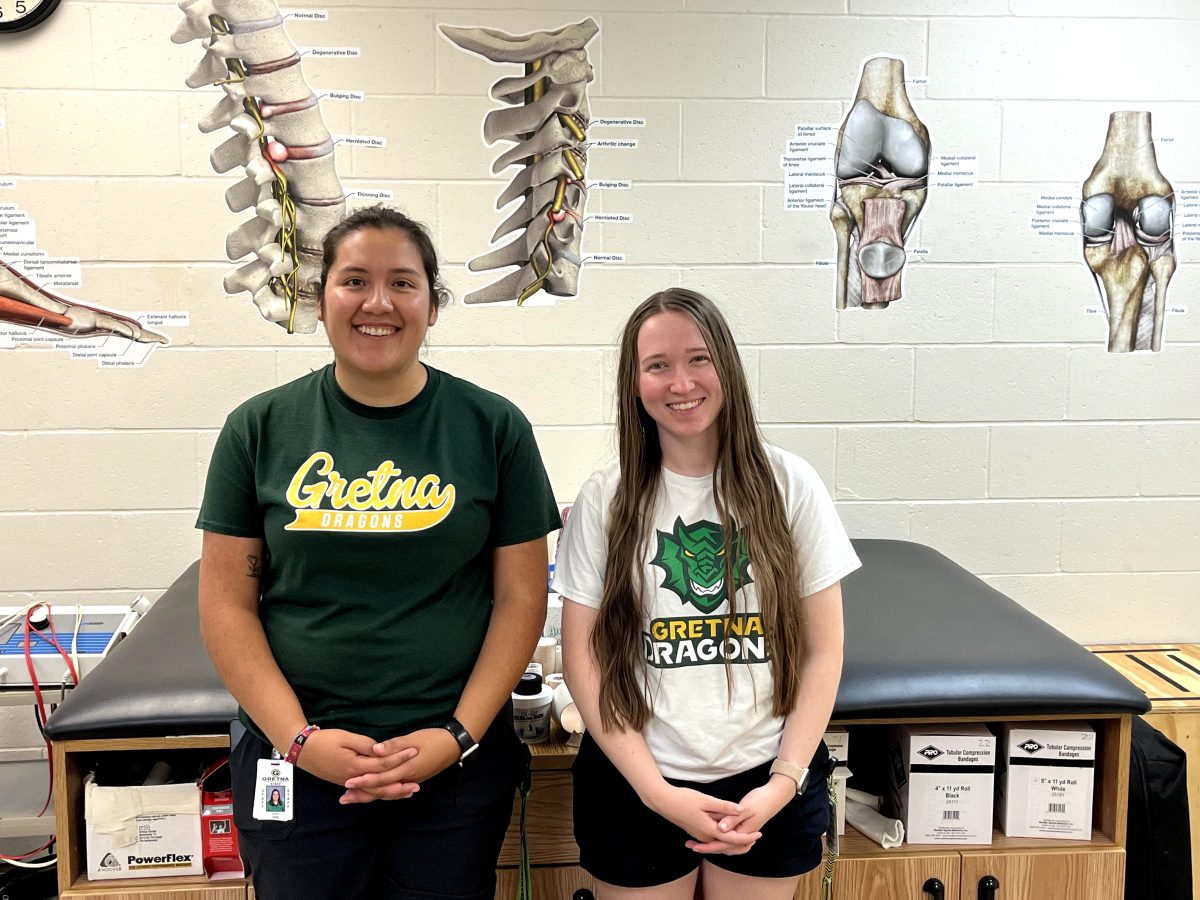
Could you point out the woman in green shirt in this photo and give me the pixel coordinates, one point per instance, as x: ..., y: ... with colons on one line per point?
x: 372, y: 585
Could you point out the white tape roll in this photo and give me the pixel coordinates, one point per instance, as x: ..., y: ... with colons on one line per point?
x: 544, y: 654
x: 564, y: 711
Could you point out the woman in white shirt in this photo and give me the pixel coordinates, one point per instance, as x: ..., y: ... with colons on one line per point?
x: 704, y: 707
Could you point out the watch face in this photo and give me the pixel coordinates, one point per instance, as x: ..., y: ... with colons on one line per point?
x: 18, y: 15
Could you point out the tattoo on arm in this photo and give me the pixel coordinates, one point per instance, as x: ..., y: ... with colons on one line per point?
x: 255, y: 567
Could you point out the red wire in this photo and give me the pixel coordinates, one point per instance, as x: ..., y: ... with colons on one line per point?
x: 63, y: 653
x: 41, y: 707
x: 31, y: 852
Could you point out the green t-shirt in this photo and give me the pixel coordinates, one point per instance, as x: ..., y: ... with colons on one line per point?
x: 379, y: 526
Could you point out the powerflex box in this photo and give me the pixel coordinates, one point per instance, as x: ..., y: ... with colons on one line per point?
x: 942, y: 779
x: 1045, y: 779
x: 142, y: 831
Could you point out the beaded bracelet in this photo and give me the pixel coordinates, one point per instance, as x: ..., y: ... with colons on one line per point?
x: 298, y: 742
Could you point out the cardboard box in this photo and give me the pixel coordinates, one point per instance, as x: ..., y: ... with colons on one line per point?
x: 1045, y: 780
x: 840, y: 774
x: 554, y: 609
x: 218, y: 833
x: 837, y: 739
x: 142, y: 831
x: 942, y: 779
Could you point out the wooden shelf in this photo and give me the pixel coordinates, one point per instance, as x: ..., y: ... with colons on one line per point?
x: 73, y: 883
x: 1087, y: 870
x: 856, y: 845
x: 183, y: 887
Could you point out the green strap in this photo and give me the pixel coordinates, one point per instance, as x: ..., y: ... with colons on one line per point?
x: 525, y: 875
x: 832, y: 841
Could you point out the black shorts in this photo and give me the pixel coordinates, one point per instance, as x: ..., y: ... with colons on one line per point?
x: 608, y: 813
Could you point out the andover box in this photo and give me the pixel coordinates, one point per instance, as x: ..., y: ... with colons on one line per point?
x: 1044, y: 782
x: 142, y: 831
x: 942, y: 782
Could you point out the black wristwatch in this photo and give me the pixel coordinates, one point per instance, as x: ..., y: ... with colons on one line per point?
x: 466, y: 744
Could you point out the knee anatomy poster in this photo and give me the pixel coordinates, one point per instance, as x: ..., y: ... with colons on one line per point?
x: 1128, y: 216
x: 881, y: 165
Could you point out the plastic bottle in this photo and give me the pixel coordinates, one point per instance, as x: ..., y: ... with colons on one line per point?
x: 531, y: 709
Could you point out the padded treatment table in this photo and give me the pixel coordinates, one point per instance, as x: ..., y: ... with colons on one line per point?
x: 924, y: 638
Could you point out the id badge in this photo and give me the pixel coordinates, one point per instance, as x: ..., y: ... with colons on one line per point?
x: 273, y: 799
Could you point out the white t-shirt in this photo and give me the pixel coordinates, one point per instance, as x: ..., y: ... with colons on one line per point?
x: 695, y: 733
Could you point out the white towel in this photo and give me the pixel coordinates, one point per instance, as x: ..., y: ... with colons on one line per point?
x: 888, y: 833
x: 864, y: 798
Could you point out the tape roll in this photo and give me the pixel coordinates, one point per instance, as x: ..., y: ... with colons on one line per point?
x: 564, y: 711
x: 544, y: 654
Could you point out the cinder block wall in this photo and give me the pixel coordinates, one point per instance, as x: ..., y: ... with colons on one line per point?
x: 980, y: 415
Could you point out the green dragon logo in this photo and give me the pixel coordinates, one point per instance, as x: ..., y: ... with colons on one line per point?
x: 693, y: 559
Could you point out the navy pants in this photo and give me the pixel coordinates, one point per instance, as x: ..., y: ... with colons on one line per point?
x: 440, y: 843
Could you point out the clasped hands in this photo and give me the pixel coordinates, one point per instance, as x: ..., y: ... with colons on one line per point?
x: 721, y: 826
x: 378, y: 770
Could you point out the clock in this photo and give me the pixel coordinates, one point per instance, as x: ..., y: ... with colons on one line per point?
x: 19, y: 15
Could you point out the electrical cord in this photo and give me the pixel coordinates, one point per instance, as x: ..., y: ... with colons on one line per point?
x: 40, y: 713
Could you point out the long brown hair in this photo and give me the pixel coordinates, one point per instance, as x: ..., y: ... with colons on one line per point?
x: 745, y: 492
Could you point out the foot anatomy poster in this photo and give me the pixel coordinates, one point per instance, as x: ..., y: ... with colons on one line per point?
x: 37, y: 312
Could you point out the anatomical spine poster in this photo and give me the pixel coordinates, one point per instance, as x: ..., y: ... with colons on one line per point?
x: 291, y: 184
x: 546, y: 119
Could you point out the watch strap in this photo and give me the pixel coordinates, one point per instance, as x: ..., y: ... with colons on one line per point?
x: 798, y: 774
x: 466, y: 744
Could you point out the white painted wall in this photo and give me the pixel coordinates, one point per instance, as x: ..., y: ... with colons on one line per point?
x: 980, y: 415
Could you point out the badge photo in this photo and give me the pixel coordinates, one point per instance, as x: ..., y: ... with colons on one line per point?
x: 273, y: 791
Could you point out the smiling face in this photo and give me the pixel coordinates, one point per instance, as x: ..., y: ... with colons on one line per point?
x: 376, y: 307
x: 680, y: 390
